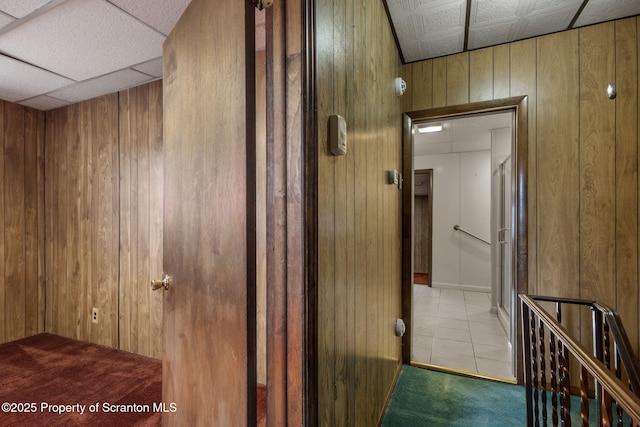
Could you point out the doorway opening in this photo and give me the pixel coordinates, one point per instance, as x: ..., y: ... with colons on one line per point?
x: 465, y: 318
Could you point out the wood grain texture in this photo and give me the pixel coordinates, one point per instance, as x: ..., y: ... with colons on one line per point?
x: 597, y: 168
x: 501, y: 71
x: 458, y: 79
x: 582, y: 160
x: 421, y: 94
x: 440, y: 84
x: 14, y: 237
x: 140, y: 215
x: 21, y: 230
x: 209, y: 222
x: 626, y: 179
x: 358, y: 213
x: 422, y: 241
x: 261, y: 217
x: 481, y: 79
x: 277, y: 256
x: 82, y: 214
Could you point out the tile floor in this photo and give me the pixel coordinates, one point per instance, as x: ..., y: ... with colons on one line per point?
x: 455, y: 329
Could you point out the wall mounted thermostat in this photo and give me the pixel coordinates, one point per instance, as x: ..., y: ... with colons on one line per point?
x: 337, y: 135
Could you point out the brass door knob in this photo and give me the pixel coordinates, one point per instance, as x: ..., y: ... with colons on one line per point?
x: 164, y: 283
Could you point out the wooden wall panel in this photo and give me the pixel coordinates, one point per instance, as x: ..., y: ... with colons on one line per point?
x: 458, y: 79
x: 104, y: 195
x: 597, y: 168
x: 359, y: 229
x: 261, y: 216
x: 21, y: 228
x: 501, y: 72
x: 481, y: 81
x: 583, y: 157
x: 82, y: 220
x: 626, y: 179
x: 141, y: 195
x: 421, y: 87
x: 14, y: 226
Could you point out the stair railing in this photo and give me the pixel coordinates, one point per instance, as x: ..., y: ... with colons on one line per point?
x: 613, y: 389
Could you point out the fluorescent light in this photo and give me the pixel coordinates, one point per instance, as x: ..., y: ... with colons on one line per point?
x: 434, y: 127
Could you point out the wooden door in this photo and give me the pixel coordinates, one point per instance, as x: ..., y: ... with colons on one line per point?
x: 209, y: 221
x: 423, y: 225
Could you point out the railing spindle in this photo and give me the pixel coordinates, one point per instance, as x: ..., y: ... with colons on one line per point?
x: 534, y: 361
x: 554, y: 379
x: 565, y: 386
x: 543, y: 368
x: 607, y: 417
x: 528, y: 364
x: 618, y: 368
x: 584, y: 396
x: 612, y: 360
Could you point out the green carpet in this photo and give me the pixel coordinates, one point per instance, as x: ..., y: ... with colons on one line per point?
x: 429, y: 398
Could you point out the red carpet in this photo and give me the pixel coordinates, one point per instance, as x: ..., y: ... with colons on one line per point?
x: 43, y: 375
x: 40, y: 373
x: 421, y: 278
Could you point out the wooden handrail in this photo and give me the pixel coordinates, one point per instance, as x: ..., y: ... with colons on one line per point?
x: 613, y: 386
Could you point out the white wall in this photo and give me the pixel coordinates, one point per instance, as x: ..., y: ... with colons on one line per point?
x: 461, y: 195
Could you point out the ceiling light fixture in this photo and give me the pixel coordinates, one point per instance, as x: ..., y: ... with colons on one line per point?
x: 433, y: 127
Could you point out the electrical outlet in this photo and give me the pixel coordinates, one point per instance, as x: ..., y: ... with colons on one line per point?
x: 94, y: 315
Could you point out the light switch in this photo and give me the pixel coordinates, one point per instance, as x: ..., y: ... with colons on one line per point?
x: 337, y: 135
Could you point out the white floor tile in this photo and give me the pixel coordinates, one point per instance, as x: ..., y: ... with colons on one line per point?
x: 482, y: 351
x: 455, y: 329
x: 445, y: 348
x: 453, y: 323
x: 495, y: 368
x: 464, y: 363
x: 453, y: 334
x: 487, y: 328
x: 490, y: 339
x: 426, y: 330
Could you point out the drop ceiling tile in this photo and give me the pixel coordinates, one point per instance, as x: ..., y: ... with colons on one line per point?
x: 537, y: 24
x: 489, y: 35
x: 44, y: 103
x: 492, y: 10
x: 159, y: 14
x: 101, y: 85
x: 20, y: 8
x: 82, y: 39
x: 5, y: 20
x: 152, y: 68
x: 495, y: 22
x: 428, y: 27
x: 606, y: 10
x: 20, y: 81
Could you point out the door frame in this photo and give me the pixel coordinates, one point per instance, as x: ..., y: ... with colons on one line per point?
x: 429, y: 173
x: 519, y: 105
x: 292, y: 395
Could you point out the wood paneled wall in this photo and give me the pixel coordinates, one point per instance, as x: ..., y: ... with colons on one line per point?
x: 583, y: 153
x: 82, y: 220
x: 104, y: 219
x: 359, y: 224
x: 141, y: 196
x: 21, y: 221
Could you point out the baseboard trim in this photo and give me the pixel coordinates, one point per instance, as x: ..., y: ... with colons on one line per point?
x: 459, y: 287
x: 389, y: 394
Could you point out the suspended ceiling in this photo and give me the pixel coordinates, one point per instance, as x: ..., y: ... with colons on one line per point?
x: 59, y: 52
x: 427, y: 29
